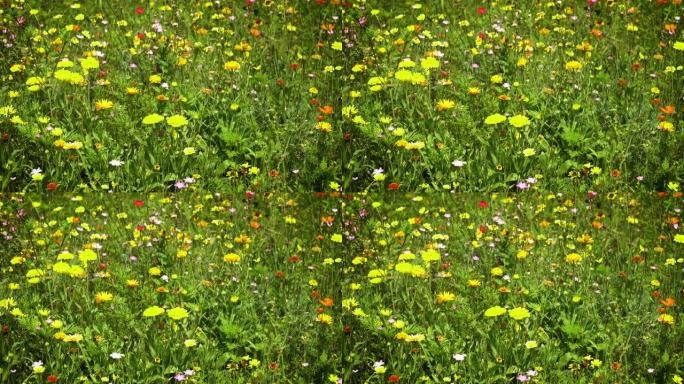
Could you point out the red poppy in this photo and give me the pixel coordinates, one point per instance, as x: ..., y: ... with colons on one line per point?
x: 139, y: 10
x: 393, y: 186
x: 52, y: 379
x: 483, y: 204
x: 481, y: 10
x: 393, y: 378
x: 139, y: 203
x: 52, y: 186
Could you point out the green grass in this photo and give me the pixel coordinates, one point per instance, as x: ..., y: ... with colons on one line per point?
x: 604, y: 115
x: 256, y: 320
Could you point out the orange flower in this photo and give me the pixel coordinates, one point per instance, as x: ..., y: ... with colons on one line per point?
x: 327, y: 109
x: 327, y: 302
x: 669, y: 302
x: 668, y: 109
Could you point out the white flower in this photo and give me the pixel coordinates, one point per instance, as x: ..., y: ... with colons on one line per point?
x: 459, y: 356
x: 458, y: 163
x: 116, y: 355
x: 116, y: 163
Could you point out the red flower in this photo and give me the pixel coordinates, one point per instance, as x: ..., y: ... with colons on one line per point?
x: 5, y: 328
x: 139, y: 228
x: 139, y: 203
x: 346, y: 136
x: 481, y: 10
x: 52, y: 186
x: 294, y: 66
x: 140, y: 35
x: 393, y: 378
x: 483, y: 229
x: 52, y: 379
x: 393, y: 186
x: 483, y: 204
x: 4, y: 136
x: 140, y: 10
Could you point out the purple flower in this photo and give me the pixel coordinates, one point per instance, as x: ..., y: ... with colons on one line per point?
x: 522, y: 378
x: 179, y: 377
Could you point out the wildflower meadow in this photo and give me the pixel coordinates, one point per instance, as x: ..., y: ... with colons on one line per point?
x: 341, y: 191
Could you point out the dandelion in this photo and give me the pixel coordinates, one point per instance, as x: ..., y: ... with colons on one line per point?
x: 103, y: 104
x: 445, y: 297
x: 519, y: 121
x: 495, y: 311
x: 231, y: 66
x: 573, y: 66
x: 445, y: 104
x: 153, y: 119
x: 573, y: 258
x: 153, y: 311
x: 103, y: 297
x: 177, y: 313
x: 495, y: 119
x: 177, y: 121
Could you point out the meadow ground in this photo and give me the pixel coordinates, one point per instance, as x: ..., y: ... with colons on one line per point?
x: 358, y: 95
x: 341, y: 191
x: 328, y: 288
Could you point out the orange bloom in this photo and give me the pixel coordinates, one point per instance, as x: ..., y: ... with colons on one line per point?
x: 669, y: 302
x: 327, y: 302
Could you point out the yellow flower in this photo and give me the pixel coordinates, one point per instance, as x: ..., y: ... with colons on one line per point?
x: 177, y: 313
x: 73, y: 338
x: 573, y: 258
x: 444, y: 297
x: 153, y: 119
x: 495, y: 311
x: 529, y: 152
x: 519, y: 313
x: 189, y: 343
x: 155, y: 79
x: 336, y: 46
x: 189, y: 151
x: 231, y: 66
x: 231, y: 258
x: 177, y: 121
x: 336, y: 238
x: 679, y: 238
x: 666, y: 319
x: 153, y: 311
x: 678, y: 45
x: 519, y: 121
x: 573, y: 66
x: 531, y: 344
x: 324, y: 318
x: 103, y: 104
x: 429, y: 63
x: 495, y: 119
x: 103, y: 297
x: 445, y: 104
